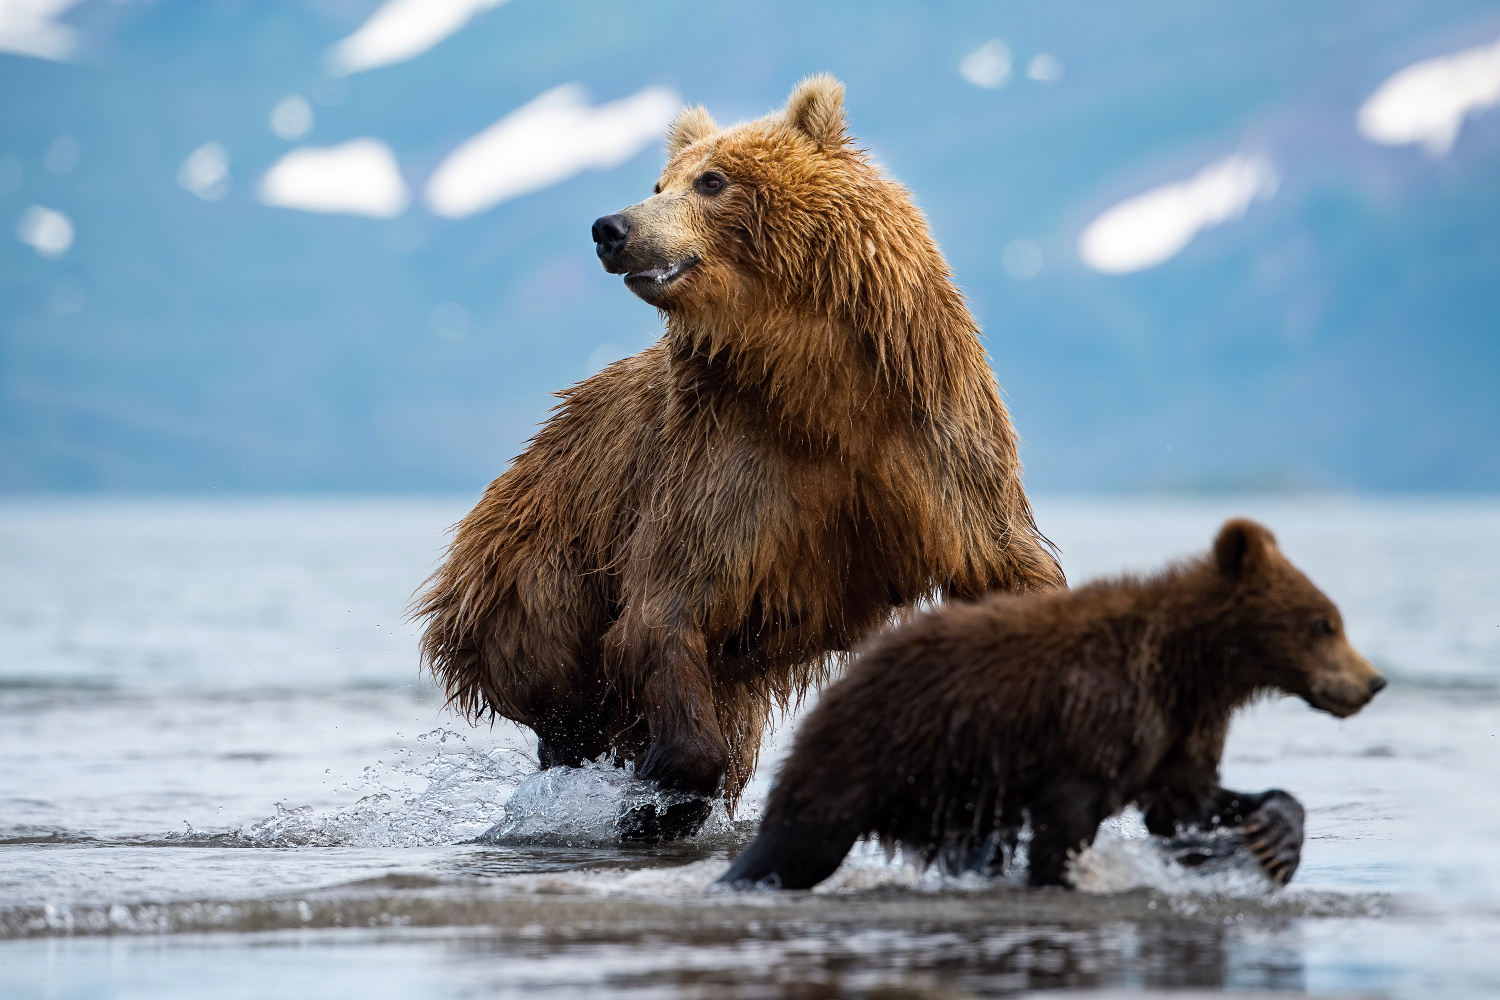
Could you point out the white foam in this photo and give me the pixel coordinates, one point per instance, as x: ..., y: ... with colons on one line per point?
x: 544, y: 142
x: 691, y: 879
x: 1124, y: 857
x: 573, y: 807
x: 465, y: 791
x: 461, y: 793
x: 1427, y: 101
x: 400, y: 30
x: 1151, y: 228
x: 869, y: 866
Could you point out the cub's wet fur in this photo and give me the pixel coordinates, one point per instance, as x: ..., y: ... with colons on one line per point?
x: 951, y: 731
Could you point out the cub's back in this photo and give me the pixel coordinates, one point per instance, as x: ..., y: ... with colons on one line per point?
x: 1031, y: 678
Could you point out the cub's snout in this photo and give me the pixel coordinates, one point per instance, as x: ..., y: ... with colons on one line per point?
x: 1344, y: 682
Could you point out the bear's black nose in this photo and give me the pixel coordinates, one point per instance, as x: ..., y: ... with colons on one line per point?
x: 1376, y: 685
x: 610, y: 234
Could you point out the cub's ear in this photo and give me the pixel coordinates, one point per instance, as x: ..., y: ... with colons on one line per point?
x: 690, y: 125
x: 816, y: 108
x: 1243, y: 548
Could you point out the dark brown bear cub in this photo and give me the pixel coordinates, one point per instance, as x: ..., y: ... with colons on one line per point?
x: 1061, y: 707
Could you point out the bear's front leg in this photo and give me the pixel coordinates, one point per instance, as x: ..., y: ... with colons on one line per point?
x: 687, y: 755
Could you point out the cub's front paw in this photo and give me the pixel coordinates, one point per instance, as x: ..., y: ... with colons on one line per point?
x: 1273, y: 832
x: 1195, y: 848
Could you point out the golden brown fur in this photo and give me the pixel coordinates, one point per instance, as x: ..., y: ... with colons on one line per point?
x: 816, y: 441
x: 1065, y: 706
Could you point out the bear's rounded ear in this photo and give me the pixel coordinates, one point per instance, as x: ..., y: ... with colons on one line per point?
x: 816, y: 108
x: 1243, y: 547
x: 690, y: 125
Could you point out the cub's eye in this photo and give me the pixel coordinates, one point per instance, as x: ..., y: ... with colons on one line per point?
x: 1321, y: 627
x: 656, y: 188
x: 710, y: 183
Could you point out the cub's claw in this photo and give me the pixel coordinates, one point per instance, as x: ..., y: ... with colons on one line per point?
x: 1273, y: 834
x: 1194, y: 847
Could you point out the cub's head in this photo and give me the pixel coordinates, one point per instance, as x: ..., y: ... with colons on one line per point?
x: 1284, y: 631
x: 779, y: 205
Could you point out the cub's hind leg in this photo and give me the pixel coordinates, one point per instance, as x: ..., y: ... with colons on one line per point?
x: 1065, y: 815
x: 791, y: 854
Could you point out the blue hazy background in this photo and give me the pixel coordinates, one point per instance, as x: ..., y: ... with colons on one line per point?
x: 1344, y: 334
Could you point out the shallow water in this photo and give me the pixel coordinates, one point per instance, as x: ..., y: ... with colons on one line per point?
x: 220, y: 774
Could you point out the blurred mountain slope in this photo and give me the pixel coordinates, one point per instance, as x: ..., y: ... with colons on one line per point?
x: 1344, y: 333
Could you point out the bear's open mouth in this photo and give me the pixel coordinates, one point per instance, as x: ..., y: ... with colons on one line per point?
x: 659, y: 277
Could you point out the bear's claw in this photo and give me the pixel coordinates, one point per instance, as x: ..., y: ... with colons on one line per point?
x: 646, y: 824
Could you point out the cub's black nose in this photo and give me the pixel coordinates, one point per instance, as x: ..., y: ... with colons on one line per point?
x: 610, y: 234
x: 1376, y: 686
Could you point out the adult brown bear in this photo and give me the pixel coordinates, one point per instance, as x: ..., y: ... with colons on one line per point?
x: 1061, y: 708
x: 699, y: 530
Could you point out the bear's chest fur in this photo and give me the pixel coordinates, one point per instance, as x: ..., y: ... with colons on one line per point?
x: 795, y: 544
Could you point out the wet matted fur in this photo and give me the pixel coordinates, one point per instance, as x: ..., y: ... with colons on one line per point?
x: 949, y: 731
x: 700, y: 530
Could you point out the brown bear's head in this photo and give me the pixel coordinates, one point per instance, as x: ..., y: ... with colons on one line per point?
x: 1284, y: 630
x: 780, y: 208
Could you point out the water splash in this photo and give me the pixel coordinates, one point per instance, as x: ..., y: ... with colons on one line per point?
x: 687, y: 882
x: 579, y: 806
x: 499, y: 796
x: 1124, y: 856
x: 869, y: 865
x: 465, y: 788
x: 496, y: 796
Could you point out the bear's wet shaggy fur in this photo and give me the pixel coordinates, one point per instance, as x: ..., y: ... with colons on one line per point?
x: 699, y: 531
x: 1063, y: 708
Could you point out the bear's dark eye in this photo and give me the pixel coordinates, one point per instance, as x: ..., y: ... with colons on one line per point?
x: 1321, y: 627
x: 656, y: 188
x: 710, y: 183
